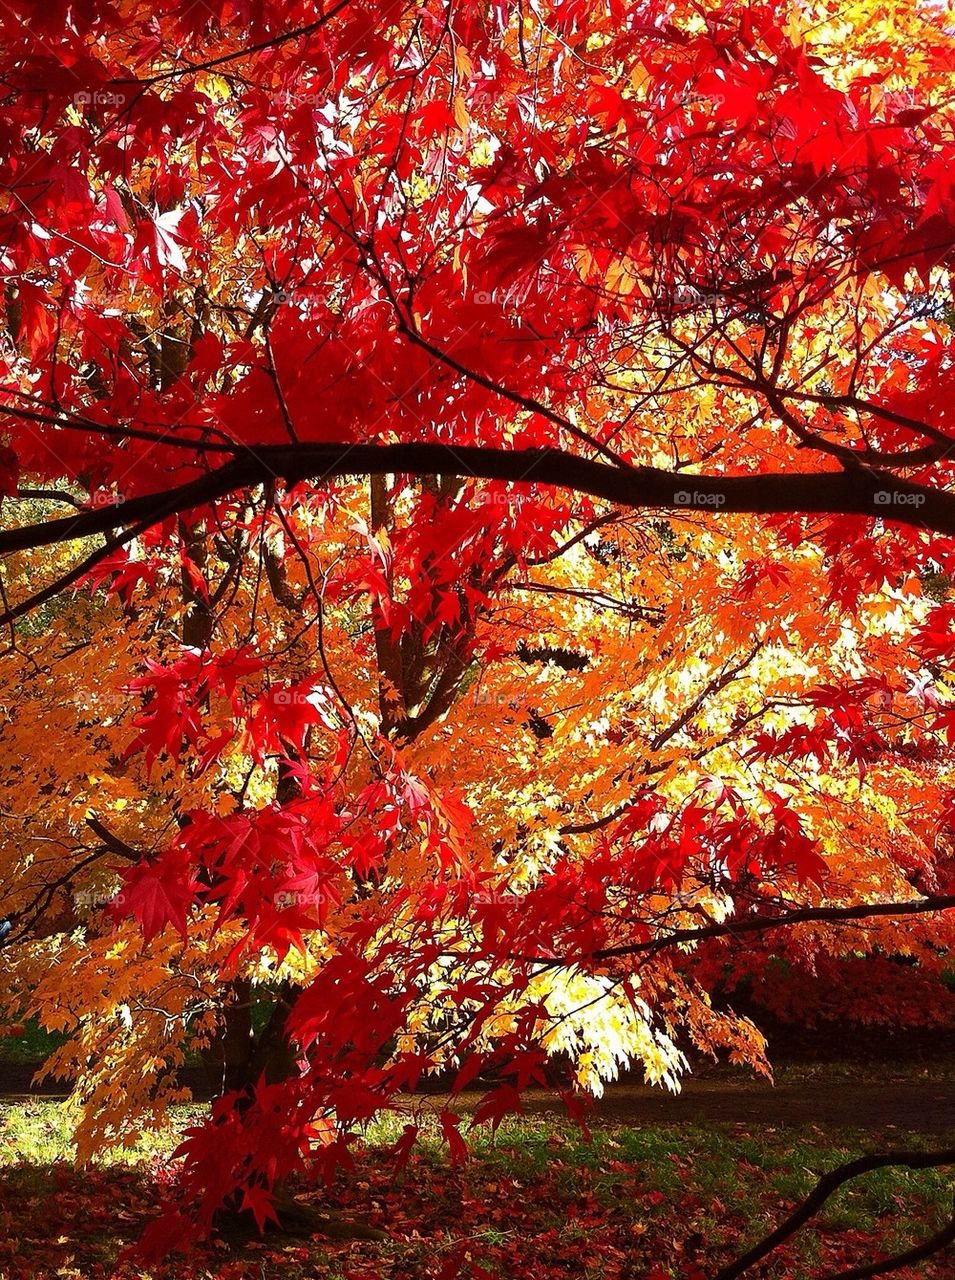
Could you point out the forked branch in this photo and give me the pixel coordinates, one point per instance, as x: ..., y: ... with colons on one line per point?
x: 827, y: 1185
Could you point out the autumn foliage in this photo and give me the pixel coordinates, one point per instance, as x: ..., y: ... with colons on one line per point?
x: 478, y: 523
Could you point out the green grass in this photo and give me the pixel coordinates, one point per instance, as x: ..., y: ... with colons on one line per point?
x: 538, y: 1200
x: 892, y: 1071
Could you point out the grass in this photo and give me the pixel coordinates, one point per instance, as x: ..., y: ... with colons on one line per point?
x: 940, y: 1070
x: 537, y: 1200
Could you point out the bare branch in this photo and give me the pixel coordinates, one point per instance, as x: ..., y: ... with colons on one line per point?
x: 827, y: 1185
x: 849, y: 492
x: 762, y: 924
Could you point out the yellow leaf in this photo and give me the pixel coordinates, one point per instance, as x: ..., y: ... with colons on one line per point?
x: 461, y: 117
x: 463, y: 64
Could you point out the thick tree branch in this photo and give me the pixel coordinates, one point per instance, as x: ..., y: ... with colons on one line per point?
x: 827, y: 1185
x: 857, y: 491
x: 112, y: 842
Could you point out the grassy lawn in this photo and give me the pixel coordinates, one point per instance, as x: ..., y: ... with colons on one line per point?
x: 538, y: 1200
x: 891, y: 1071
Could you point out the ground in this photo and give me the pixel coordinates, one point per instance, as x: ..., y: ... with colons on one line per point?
x: 663, y: 1189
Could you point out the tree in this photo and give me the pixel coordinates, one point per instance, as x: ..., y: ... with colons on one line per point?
x: 505, y: 455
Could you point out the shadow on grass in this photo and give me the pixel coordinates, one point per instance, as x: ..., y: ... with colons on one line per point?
x: 62, y: 1223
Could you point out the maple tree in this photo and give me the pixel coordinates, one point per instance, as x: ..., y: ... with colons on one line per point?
x: 477, y: 517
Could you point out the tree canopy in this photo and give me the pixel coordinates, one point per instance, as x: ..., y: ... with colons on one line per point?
x: 477, y: 518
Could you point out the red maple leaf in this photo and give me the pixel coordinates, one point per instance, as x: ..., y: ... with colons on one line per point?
x: 158, y: 893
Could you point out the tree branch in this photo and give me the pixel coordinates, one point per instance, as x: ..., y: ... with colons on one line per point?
x: 751, y: 924
x: 113, y: 842
x: 934, y: 1244
x: 857, y: 491
x: 827, y: 1185
x: 274, y: 42
x: 762, y: 924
